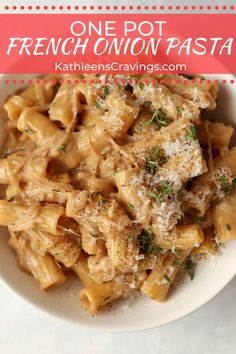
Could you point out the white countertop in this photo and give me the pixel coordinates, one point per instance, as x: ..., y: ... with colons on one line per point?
x: 26, y: 330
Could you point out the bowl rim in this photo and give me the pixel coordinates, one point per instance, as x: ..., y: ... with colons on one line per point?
x: 102, y: 328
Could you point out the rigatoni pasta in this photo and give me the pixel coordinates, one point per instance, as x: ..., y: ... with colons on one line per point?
x: 124, y: 184
x: 43, y: 267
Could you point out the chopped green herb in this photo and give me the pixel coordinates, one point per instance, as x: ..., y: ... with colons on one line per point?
x: 151, y: 166
x: 167, y: 278
x: 126, y: 282
x: 156, y: 159
x: 156, y: 153
x: 228, y: 189
x: 223, y: 181
x: 55, y: 190
x: 131, y: 206
x: 62, y: 149
x: 159, y: 118
x: 166, y: 188
x: 192, y: 133
x: 147, y: 104
x: 189, y: 267
x: 141, y: 85
x: 106, y: 91
x: 228, y: 227
x: 154, y: 195
x: 28, y: 131
x: 224, y: 184
x: 98, y: 105
x: 146, y: 242
x: 97, y: 75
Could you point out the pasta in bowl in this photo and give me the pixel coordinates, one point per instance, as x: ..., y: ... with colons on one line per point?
x: 124, y: 184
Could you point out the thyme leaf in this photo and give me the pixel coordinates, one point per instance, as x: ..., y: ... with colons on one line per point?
x: 192, y: 133
x: 158, y: 118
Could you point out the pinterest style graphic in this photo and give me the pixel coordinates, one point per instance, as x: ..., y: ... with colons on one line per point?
x: 118, y: 159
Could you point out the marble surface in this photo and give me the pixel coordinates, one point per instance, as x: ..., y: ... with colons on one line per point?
x: 210, y: 330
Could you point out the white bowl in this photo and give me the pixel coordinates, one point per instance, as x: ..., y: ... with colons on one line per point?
x: 63, y: 302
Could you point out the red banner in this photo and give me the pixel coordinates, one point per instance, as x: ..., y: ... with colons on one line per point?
x: 107, y: 43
